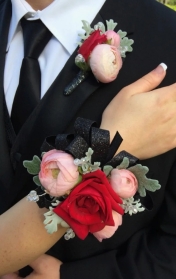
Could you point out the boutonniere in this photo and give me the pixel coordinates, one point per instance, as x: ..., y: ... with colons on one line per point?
x: 85, y: 188
x: 101, y: 51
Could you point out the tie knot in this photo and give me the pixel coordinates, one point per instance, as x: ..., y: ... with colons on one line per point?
x: 36, y: 35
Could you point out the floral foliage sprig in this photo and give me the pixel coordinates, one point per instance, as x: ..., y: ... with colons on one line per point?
x: 86, y: 189
x: 101, y: 50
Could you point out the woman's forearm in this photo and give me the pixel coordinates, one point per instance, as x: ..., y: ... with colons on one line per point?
x: 23, y: 236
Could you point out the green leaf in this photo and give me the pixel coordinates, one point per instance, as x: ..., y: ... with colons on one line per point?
x: 51, y: 221
x: 82, y: 65
x: 37, y: 180
x: 124, y: 164
x: 122, y: 34
x: 33, y: 167
x: 144, y: 183
x: 107, y: 169
x: 125, y: 45
x: 89, y: 153
x: 100, y: 26
x: 152, y: 185
x: 111, y: 24
x: 132, y: 206
x: 87, y: 28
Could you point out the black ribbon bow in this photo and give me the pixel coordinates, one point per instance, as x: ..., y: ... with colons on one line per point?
x: 87, y: 135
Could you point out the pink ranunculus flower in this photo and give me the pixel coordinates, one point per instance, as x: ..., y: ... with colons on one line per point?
x: 105, y: 62
x: 113, y: 37
x: 108, y: 231
x: 124, y: 183
x: 58, y: 174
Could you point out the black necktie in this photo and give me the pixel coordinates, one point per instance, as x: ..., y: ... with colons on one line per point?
x: 36, y: 36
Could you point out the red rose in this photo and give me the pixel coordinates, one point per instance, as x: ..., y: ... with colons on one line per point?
x: 89, y: 206
x: 92, y: 41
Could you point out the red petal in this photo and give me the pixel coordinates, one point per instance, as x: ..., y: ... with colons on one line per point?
x: 91, y: 42
x: 80, y: 230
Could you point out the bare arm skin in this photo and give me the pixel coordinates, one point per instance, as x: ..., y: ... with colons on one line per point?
x: 23, y: 237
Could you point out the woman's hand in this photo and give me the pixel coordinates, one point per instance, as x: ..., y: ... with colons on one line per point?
x: 45, y: 267
x: 145, y: 119
x: 11, y: 276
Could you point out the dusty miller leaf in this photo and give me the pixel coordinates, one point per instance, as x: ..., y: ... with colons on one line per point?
x: 125, y: 45
x: 37, y: 180
x: 107, y: 169
x: 52, y: 221
x: 87, y: 28
x: 122, y: 34
x: 100, y: 26
x: 85, y: 165
x: 144, y: 183
x: 89, y: 155
x: 124, y: 164
x: 33, y: 167
x: 88, y: 167
x: 132, y: 206
x: 111, y: 24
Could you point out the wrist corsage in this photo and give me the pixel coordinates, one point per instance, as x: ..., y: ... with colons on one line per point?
x: 101, y: 51
x: 84, y: 187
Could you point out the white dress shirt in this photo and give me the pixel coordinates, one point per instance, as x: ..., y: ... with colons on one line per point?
x: 63, y: 18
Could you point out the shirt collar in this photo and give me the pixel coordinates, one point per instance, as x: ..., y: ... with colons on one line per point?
x: 61, y: 17
x: 19, y: 9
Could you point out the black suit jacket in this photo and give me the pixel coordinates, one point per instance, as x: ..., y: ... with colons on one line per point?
x: 145, y: 245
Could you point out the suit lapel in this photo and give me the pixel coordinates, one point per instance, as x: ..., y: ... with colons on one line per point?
x: 5, y: 16
x: 6, y: 171
x: 116, y: 10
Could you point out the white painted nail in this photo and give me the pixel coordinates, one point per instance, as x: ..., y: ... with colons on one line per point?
x: 164, y: 66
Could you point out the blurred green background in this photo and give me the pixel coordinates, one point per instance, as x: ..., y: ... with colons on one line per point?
x: 170, y: 3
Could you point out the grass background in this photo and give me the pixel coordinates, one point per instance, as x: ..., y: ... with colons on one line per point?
x: 172, y: 7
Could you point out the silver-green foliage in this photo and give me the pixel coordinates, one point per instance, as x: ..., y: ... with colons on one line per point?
x: 144, y: 183
x: 33, y: 166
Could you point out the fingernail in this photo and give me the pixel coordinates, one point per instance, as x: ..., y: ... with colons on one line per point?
x: 161, y: 68
x: 164, y: 66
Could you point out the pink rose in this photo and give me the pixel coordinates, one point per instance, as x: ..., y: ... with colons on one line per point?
x: 58, y: 174
x: 124, y: 183
x: 105, y: 62
x: 113, y: 37
x: 108, y: 231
